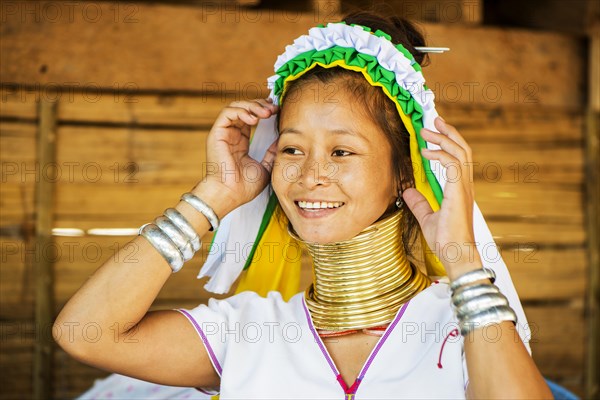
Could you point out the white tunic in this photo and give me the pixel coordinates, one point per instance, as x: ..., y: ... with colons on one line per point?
x: 269, y: 349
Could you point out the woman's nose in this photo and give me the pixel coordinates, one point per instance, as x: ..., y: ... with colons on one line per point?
x: 315, y: 171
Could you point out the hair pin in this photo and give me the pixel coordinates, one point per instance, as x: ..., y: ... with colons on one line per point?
x: 432, y: 49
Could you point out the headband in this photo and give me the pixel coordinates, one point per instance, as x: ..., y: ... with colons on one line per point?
x: 253, y: 243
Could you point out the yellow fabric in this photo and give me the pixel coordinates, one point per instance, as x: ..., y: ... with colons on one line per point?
x: 276, y: 263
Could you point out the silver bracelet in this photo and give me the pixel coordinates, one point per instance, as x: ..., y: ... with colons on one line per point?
x: 492, y: 315
x: 480, y: 303
x: 465, y: 293
x: 185, y: 227
x: 203, y: 208
x: 176, y: 236
x: 163, y: 244
x: 473, y: 276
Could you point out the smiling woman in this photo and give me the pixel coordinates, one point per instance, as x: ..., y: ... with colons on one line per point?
x: 340, y: 156
x: 355, y: 162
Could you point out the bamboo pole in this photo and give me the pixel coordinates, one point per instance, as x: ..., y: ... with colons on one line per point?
x: 44, y: 206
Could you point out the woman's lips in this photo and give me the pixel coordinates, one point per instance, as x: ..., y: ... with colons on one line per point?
x: 316, y: 212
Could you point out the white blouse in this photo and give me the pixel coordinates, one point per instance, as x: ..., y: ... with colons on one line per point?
x: 266, y: 348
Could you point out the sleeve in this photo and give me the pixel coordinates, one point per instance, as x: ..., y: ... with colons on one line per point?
x: 213, y: 322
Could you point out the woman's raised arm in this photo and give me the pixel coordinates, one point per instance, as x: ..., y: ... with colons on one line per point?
x: 500, y: 368
x: 107, y: 324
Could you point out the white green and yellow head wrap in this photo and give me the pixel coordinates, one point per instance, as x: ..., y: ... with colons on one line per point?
x: 250, y: 240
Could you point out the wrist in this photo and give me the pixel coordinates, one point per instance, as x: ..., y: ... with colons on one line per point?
x: 457, y: 270
x: 218, y: 197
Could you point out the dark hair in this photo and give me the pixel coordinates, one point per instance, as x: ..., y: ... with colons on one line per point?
x: 377, y: 106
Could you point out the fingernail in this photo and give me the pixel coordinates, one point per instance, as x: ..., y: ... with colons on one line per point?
x: 443, y: 120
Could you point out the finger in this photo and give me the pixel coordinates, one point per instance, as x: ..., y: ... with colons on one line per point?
x: 246, y: 131
x: 236, y: 117
x: 451, y: 132
x: 268, y: 103
x: 269, y: 157
x: 455, y: 171
x: 446, y: 143
x: 446, y: 159
x: 255, y: 107
x: 418, y: 204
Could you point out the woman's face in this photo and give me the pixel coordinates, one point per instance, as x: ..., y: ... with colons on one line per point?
x: 333, y: 171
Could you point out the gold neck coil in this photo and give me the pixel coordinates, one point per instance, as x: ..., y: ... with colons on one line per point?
x: 361, y: 282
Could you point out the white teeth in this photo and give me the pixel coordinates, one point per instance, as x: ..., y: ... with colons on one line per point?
x: 319, y: 204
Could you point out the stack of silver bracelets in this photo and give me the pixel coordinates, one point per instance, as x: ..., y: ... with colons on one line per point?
x: 173, y: 236
x: 477, y: 305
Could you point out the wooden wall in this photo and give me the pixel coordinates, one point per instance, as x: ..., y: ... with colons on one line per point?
x: 138, y: 88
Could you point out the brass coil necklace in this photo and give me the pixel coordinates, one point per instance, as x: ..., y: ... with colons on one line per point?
x: 361, y: 282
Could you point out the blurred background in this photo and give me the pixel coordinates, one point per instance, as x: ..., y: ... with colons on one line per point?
x: 105, y: 108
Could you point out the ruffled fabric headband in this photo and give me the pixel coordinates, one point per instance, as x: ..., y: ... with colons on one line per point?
x: 251, y: 239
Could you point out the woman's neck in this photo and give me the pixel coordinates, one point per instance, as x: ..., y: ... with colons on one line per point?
x: 362, y: 282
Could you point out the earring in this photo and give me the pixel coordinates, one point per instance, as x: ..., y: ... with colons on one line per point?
x: 399, y: 200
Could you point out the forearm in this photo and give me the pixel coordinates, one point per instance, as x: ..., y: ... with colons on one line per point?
x: 500, y: 366
x: 118, y: 295
x: 498, y: 363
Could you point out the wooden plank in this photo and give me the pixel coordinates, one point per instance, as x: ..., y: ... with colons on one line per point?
x: 543, y: 233
x: 558, y: 343
x: 130, y: 156
x: 505, y: 232
x: 18, y: 173
x: 19, y: 103
x: 528, y: 163
x: 77, y: 258
x: 44, y: 207
x: 93, y: 154
x: 477, y: 122
x: 440, y: 11
x: 592, y: 188
x: 498, y: 200
x: 17, y: 283
x: 161, y: 109
x: 16, y: 359
x: 491, y: 71
x: 16, y: 203
x: 547, y: 274
x: 455, y: 80
x: 514, y: 124
x: 17, y: 149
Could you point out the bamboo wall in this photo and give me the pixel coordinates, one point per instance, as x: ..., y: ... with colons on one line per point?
x: 134, y: 102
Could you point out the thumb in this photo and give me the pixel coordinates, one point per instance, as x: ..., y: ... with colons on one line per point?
x: 418, y: 204
x: 269, y: 157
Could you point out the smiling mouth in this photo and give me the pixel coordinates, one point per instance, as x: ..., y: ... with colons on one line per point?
x: 319, y: 205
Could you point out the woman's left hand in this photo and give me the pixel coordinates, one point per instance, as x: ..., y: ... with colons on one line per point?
x: 449, y: 231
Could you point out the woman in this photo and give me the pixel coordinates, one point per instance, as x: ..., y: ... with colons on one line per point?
x: 347, y: 175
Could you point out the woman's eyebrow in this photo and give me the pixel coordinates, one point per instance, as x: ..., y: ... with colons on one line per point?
x: 339, y: 131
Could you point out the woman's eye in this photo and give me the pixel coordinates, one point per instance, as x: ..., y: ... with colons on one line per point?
x: 341, y: 153
x: 291, y: 150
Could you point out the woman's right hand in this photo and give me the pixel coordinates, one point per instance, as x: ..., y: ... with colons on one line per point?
x: 230, y: 170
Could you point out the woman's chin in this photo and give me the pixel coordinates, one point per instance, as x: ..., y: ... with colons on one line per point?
x: 323, y: 237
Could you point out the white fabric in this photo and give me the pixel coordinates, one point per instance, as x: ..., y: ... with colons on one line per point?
x: 239, y: 228
x: 265, y: 348
x: 122, y: 387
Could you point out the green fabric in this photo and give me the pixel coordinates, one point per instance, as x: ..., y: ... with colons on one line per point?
x: 378, y: 74
x: 263, y: 226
